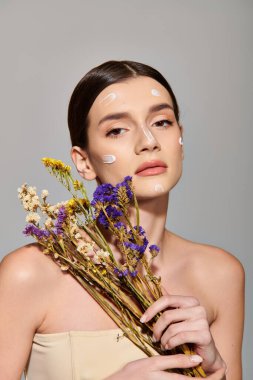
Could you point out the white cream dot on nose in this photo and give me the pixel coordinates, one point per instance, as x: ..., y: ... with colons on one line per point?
x: 148, y: 134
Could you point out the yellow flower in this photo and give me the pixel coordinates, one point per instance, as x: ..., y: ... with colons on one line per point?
x: 74, y: 205
x: 56, y: 164
x: 77, y: 185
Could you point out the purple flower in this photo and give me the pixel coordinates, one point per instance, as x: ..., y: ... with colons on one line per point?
x: 140, y: 231
x: 113, y: 214
x: 134, y: 273
x: 154, y: 247
x: 137, y: 247
x: 118, y: 225
x: 121, y: 273
x: 31, y: 229
x: 61, y: 217
x: 104, y: 193
x: 125, y: 183
x: 102, y: 219
x: 117, y: 272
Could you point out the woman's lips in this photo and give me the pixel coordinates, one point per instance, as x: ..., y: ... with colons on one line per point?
x: 152, y: 171
x: 151, y: 168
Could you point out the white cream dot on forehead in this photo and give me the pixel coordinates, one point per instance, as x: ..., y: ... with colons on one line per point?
x: 159, y: 188
x: 155, y: 92
x: 108, y: 158
x: 108, y: 98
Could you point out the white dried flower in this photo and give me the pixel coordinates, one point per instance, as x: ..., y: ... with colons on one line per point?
x: 22, y: 189
x: 26, y: 206
x: 32, y: 217
x: 44, y: 194
x: 49, y: 222
x: 27, y: 198
x: 90, y: 248
x: 74, y: 229
x: 81, y: 247
x: 32, y: 190
x: 102, y: 253
x: 52, y: 209
x: 34, y: 204
x: 87, y: 248
x: 96, y: 259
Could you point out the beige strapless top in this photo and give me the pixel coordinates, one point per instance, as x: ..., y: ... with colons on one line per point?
x: 79, y: 355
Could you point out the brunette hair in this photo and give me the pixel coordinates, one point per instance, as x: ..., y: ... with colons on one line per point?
x: 94, y: 82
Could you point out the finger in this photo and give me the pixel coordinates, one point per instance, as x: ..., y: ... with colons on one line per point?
x: 167, y: 301
x: 177, y: 315
x: 202, y: 339
x: 161, y: 363
x: 176, y: 328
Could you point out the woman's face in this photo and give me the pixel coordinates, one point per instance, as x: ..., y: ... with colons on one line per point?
x: 132, y: 123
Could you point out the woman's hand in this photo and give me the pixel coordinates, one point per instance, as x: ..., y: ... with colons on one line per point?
x: 154, y: 368
x: 185, y: 322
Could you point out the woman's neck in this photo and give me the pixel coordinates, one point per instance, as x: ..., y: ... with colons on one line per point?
x: 153, y: 214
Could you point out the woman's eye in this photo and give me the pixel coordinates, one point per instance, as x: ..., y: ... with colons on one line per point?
x: 163, y: 123
x: 115, y: 132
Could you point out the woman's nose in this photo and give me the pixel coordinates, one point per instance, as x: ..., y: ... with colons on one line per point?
x: 146, y: 140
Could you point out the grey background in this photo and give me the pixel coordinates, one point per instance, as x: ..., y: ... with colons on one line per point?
x: 204, y: 48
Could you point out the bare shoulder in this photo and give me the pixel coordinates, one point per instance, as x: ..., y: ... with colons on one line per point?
x: 216, y: 262
x: 28, y: 265
x: 26, y: 281
x: 210, y: 260
x: 210, y: 273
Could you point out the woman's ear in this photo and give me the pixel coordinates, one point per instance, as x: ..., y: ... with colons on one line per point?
x: 82, y: 163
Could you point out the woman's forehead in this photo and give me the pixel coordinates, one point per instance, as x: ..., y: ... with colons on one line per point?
x: 131, y: 91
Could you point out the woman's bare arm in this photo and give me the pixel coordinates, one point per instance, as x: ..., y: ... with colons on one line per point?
x: 227, y: 329
x: 23, y: 289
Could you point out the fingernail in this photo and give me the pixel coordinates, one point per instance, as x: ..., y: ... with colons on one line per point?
x: 196, y: 359
x: 143, y: 318
x: 154, y: 339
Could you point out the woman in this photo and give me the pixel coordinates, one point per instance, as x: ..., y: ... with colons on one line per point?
x: 124, y: 120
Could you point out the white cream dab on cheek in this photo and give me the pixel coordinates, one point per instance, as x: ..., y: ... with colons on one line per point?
x: 155, y: 92
x: 109, y: 158
x: 108, y: 98
x: 159, y: 188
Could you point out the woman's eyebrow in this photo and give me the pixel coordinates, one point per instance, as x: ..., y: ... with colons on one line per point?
x: 159, y: 107
x: 121, y: 115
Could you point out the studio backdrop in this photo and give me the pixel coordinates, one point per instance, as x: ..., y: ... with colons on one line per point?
x: 204, y: 49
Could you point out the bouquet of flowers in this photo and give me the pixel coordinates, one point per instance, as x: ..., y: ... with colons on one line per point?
x: 71, y: 234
